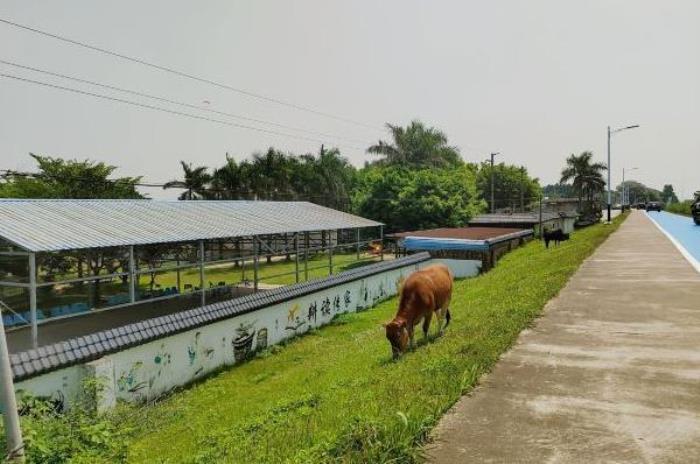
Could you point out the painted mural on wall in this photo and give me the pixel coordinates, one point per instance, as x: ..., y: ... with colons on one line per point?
x: 147, y: 371
x: 243, y: 341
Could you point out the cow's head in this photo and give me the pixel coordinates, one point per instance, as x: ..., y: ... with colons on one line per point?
x: 397, y: 334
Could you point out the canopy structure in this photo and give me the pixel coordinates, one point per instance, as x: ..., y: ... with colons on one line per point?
x: 53, y: 225
x: 115, y: 250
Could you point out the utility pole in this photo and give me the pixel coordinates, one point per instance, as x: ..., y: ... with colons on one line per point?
x: 13, y: 433
x: 610, y: 133
x: 493, y: 205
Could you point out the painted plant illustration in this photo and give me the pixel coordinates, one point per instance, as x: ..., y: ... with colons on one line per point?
x: 294, y: 322
x: 243, y: 341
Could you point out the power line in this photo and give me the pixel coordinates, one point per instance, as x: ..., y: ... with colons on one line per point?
x: 165, y: 110
x: 186, y: 75
x: 174, y: 102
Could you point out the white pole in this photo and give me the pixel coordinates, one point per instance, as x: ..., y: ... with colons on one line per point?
x: 13, y: 433
x: 609, y: 169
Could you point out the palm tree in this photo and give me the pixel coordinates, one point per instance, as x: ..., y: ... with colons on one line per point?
x: 270, y: 174
x: 229, y: 181
x: 416, y: 146
x: 195, y: 182
x: 587, y: 178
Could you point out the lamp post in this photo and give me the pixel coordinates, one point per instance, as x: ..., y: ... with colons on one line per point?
x: 610, y: 133
x: 625, y: 191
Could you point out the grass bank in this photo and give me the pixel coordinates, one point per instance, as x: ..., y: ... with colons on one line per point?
x: 683, y: 207
x: 335, y: 395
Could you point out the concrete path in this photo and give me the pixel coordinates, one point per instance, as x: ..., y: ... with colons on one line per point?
x: 610, y: 373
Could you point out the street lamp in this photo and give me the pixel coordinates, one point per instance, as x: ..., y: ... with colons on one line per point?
x: 610, y: 133
x: 625, y: 196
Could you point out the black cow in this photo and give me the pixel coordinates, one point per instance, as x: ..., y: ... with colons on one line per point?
x: 555, y: 236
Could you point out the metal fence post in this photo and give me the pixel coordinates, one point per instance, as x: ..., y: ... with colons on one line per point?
x: 358, y: 243
x: 32, y: 299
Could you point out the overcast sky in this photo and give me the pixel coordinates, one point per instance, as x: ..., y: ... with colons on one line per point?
x: 534, y: 80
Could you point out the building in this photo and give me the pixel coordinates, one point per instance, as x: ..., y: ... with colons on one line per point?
x: 467, y: 250
x: 529, y: 220
x: 71, y: 267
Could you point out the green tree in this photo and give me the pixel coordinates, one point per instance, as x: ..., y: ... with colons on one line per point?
x: 668, y: 196
x: 195, y: 182
x: 587, y: 177
x: 416, y: 146
x: 511, y: 183
x: 61, y: 178
x: 406, y: 199
x: 230, y: 181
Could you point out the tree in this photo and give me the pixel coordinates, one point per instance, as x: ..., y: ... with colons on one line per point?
x: 61, y: 178
x: 271, y: 173
x: 195, y: 182
x: 510, y: 184
x: 558, y: 191
x: 638, y: 192
x: 416, y: 146
x: 587, y: 178
x: 229, y: 182
x: 406, y: 199
x: 668, y: 196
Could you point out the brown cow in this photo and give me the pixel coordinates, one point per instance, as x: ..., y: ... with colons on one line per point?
x: 424, y: 292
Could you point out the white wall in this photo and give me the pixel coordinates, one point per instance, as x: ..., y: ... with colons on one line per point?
x: 150, y: 370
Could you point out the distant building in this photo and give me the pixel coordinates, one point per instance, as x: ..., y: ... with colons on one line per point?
x: 529, y: 220
x: 467, y: 250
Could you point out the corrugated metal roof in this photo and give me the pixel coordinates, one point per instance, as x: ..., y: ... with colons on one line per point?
x: 515, y: 218
x: 51, y: 225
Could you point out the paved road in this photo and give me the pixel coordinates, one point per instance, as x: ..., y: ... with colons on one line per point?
x: 683, y: 230
x: 610, y: 373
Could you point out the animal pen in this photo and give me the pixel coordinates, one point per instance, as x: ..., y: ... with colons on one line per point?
x: 73, y: 267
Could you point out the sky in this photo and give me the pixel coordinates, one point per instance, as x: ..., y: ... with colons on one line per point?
x: 535, y: 81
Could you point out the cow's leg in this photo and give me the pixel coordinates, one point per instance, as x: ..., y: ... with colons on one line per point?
x: 410, y: 336
x: 426, y: 324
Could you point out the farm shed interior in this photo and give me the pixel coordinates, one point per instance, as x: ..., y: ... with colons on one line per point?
x: 484, y: 244
x: 70, y: 267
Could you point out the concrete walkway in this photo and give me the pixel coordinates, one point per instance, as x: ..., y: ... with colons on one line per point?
x: 610, y: 373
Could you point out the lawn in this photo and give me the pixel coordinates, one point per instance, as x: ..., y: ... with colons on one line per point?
x: 335, y: 395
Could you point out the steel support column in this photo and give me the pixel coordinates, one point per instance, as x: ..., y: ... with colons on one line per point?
x: 357, y: 245
x: 296, y: 256
x: 306, y: 256
x: 256, y: 259
x: 381, y: 243
x: 330, y: 253
x: 201, y: 273
x: 132, y: 275
x: 32, y: 300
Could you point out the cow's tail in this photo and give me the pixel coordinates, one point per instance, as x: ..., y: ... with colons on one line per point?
x: 448, y: 317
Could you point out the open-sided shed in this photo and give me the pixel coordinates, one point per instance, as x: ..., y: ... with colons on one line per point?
x: 51, y: 250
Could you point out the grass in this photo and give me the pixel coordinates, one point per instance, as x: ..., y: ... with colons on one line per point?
x: 683, y: 207
x: 334, y: 395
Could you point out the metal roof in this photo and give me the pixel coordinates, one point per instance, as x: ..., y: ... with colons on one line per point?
x: 515, y: 218
x: 51, y: 225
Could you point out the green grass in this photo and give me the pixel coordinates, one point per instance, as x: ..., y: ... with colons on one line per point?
x: 683, y: 208
x: 334, y: 395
